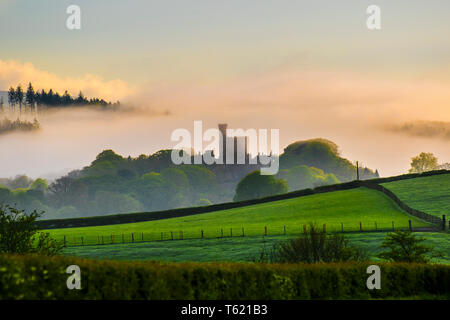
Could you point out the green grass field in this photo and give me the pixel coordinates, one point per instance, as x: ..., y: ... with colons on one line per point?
x: 335, y: 209
x: 428, y: 194
x: 230, y: 249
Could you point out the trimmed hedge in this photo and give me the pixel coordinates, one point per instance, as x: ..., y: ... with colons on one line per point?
x: 38, y: 277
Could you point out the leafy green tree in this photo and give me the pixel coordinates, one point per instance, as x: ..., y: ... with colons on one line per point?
x: 20, y: 181
x: 304, y: 177
x: 39, y: 184
x: 19, y: 233
x: 202, y: 181
x: 423, y: 162
x: 254, y: 185
x: 404, y: 246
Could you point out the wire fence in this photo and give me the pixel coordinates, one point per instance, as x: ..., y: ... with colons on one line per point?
x: 232, y: 232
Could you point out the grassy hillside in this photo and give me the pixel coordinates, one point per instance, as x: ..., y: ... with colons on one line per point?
x: 231, y: 249
x: 349, y: 207
x: 428, y: 194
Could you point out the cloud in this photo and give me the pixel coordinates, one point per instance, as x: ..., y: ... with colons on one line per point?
x: 13, y: 73
x: 315, y: 94
x: 425, y: 129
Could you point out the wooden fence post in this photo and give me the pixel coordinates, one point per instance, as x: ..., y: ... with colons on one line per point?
x: 284, y: 230
x: 443, y: 222
x: 98, y: 239
x: 132, y: 237
x: 304, y: 228
x: 265, y: 230
x: 410, y: 226
x: 360, y: 226
x: 202, y: 234
x: 112, y: 238
x: 65, y: 244
x: 221, y: 232
x: 82, y: 241
x: 342, y: 227
x: 142, y: 236
x: 324, y: 228
x: 231, y: 232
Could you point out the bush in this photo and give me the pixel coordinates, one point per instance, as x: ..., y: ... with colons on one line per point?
x: 404, y: 246
x: 43, y: 277
x: 19, y: 233
x: 312, y: 247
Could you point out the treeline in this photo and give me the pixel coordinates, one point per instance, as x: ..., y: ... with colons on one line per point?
x: 7, y: 125
x: 114, y: 184
x: 31, y: 98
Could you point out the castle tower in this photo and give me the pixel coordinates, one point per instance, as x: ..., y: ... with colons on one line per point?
x: 223, y: 150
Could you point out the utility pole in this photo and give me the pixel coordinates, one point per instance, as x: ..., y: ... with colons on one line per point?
x: 357, y: 170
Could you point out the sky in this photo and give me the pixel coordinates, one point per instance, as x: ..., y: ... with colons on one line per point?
x: 309, y: 68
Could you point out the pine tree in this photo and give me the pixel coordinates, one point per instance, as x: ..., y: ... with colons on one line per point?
x: 30, y: 96
x: 19, y: 97
x: 11, y: 97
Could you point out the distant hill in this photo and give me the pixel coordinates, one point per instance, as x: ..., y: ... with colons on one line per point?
x: 322, y: 154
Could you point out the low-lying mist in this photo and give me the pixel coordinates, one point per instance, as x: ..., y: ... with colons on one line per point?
x: 355, y: 112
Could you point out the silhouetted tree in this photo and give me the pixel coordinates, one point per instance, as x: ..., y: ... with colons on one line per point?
x: 423, y: 162
x: 12, y: 97
x: 30, y: 96
x: 19, y: 97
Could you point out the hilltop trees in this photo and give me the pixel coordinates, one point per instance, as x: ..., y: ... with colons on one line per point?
x: 255, y: 185
x: 51, y: 98
x: 423, y: 162
x: 113, y: 183
x: 324, y: 155
x: 304, y: 177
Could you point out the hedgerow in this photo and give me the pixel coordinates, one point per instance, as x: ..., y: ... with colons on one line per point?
x: 38, y: 277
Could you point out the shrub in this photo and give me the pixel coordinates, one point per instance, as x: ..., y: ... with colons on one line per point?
x: 44, y: 277
x: 19, y: 233
x: 311, y: 247
x: 404, y: 246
